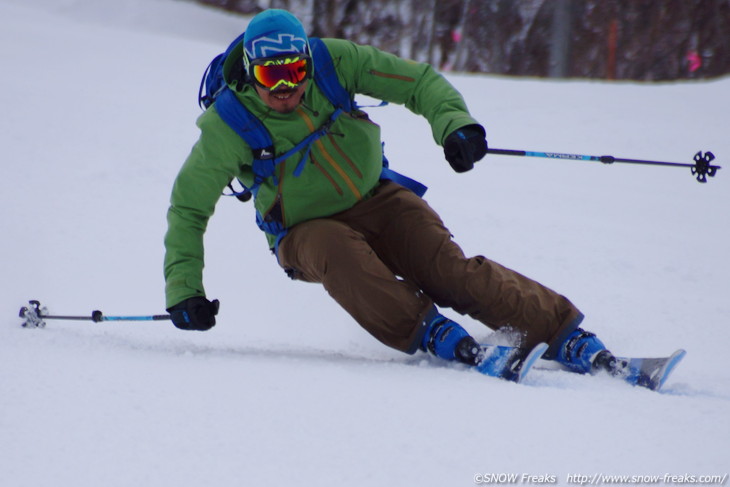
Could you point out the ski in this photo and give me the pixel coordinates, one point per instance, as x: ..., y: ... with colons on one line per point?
x: 651, y: 373
x: 509, y: 363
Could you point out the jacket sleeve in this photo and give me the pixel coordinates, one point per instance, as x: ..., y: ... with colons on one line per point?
x: 381, y: 75
x: 212, y: 163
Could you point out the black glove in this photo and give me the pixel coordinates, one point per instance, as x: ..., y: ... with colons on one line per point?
x: 465, y: 146
x: 194, y: 314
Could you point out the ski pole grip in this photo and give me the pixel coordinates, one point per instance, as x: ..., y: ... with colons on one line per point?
x: 97, y: 317
x: 506, y: 152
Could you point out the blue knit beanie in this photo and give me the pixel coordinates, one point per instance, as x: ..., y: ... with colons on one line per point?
x: 274, y: 32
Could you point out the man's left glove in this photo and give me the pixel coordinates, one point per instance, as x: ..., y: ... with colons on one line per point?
x: 465, y: 146
x: 195, y: 313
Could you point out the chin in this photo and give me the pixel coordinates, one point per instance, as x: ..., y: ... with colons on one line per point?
x: 287, y: 105
x: 283, y: 105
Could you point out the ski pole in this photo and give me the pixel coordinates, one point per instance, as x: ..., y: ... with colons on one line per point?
x: 34, y: 316
x: 701, y: 167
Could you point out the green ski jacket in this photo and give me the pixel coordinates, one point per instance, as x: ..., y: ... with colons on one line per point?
x: 342, y: 168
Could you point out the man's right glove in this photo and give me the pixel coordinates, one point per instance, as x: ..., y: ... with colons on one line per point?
x: 195, y: 313
x: 465, y: 146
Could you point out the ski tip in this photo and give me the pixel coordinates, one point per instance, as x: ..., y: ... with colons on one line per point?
x: 668, y: 368
x: 679, y: 354
x: 529, y: 360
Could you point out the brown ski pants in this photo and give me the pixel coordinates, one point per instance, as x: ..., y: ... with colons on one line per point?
x: 389, y: 258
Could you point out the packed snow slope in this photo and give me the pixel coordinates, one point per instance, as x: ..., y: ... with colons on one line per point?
x: 99, y: 108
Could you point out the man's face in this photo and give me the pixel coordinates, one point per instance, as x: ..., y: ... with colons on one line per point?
x: 284, y: 99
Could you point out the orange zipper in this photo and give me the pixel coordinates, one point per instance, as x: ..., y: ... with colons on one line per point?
x: 326, y: 174
x: 392, y: 76
x: 344, y: 156
x: 329, y: 158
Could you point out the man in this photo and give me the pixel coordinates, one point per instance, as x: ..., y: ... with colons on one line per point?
x: 330, y: 216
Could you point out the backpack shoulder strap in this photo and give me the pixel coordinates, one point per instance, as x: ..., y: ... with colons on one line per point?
x: 326, y: 77
x: 253, y: 132
x: 244, y: 123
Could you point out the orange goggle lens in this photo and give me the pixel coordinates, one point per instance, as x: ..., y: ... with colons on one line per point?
x: 276, y: 72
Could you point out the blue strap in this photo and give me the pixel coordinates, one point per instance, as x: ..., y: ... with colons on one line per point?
x: 264, y: 168
x: 272, y: 227
x: 326, y: 77
x: 242, y: 121
x: 300, y: 167
x: 390, y: 175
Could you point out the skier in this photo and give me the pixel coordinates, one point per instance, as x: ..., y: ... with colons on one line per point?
x: 332, y: 215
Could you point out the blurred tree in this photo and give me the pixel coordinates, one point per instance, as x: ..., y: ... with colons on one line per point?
x: 649, y: 40
x: 240, y: 6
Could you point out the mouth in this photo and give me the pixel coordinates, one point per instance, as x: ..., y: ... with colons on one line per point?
x: 283, y: 94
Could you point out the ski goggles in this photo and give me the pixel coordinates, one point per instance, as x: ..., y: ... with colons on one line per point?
x: 289, y: 70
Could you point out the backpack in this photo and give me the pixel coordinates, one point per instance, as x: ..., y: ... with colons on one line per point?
x: 214, y: 89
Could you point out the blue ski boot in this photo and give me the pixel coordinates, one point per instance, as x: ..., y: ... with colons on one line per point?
x: 446, y: 339
x: 449, y: 341
x: 584, y: 353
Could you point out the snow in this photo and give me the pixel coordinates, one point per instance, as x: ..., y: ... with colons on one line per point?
x: 99, y: 104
